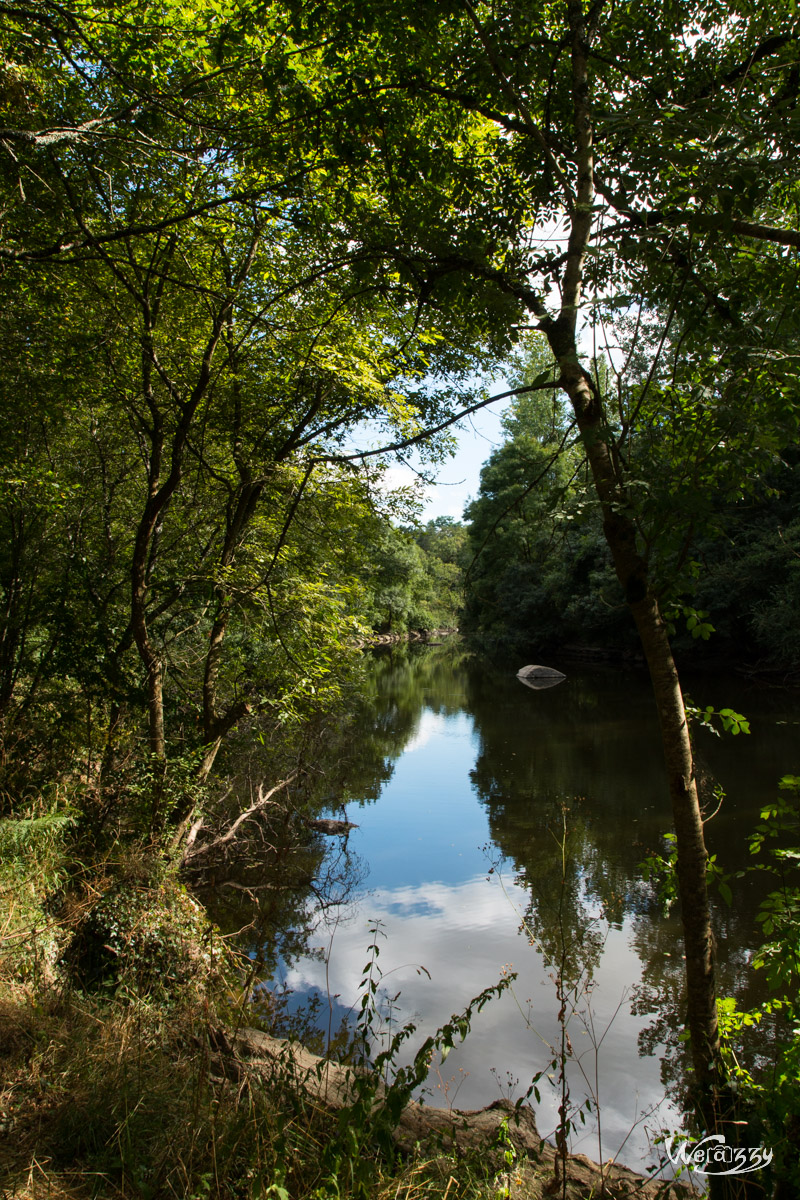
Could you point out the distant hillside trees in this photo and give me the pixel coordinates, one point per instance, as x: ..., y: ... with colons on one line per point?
x: 414, y: 576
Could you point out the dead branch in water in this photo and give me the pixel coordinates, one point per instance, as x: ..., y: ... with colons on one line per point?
x: 219, y: 844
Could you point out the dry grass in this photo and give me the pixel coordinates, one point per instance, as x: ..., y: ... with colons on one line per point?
x: 110, y: 1086
x: 112, y: 1099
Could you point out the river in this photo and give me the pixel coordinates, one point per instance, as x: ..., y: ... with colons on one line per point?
x: 505, y: 834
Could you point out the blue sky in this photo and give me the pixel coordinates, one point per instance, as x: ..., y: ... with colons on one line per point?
x: 458, y: 478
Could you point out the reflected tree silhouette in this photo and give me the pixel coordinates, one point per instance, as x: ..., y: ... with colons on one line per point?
x: 586, y: 753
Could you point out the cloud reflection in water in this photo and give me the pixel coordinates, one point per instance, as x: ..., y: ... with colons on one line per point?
x: 465, y: 935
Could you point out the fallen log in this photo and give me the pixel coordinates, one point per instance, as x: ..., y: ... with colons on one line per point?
x: 328, y: 826
x: 487, y: 1131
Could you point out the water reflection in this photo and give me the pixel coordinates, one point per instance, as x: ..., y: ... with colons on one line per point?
x: 562, y: 792
x: 465, y: 935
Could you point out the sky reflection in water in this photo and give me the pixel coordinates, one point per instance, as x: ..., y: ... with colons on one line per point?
x: 428, y: 846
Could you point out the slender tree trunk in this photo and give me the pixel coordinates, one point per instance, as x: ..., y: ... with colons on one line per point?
x: 153, y: 665
x: 17, y: 592
x: 631, y: 570
x: 242, y: 509
x: 142, y: 562
x: 620, y: 532
x: 692, y: 855
x: 215, y: 724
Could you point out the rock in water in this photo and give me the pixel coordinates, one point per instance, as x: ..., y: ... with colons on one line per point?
x: 539, y: 677
x: 539, y: 673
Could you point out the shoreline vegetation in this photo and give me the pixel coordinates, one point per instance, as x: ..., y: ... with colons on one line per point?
x: 140, y: 1057
x: 424, y: 637
x: 157, y: 1090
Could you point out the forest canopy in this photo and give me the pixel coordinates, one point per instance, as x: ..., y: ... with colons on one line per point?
x: 540, y: 575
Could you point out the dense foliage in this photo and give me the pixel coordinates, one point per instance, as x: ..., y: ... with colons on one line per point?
x: 248, y: 252
x: 541, y: 575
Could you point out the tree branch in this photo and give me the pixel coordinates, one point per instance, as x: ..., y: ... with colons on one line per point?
x: 429, y: 433
x: 264, y: 801
x: 517, y: 102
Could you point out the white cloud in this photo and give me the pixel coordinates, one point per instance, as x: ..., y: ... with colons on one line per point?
x: 400, y: 476
x: 430, y: 725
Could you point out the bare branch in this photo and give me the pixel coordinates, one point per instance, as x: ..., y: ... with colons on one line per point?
x: 429, y: 433
x: 264, y: 801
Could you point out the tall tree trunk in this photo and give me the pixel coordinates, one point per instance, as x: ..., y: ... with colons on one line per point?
x: 631, y: 570
x: 142, y: 561
x: 239, y: 516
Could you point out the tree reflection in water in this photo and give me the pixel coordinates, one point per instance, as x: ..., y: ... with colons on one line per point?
x: 488, y: 759
x: 585, y: 758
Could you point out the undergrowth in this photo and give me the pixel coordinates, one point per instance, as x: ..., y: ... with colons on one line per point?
x: 113, y: 987
x: 125, y: 1100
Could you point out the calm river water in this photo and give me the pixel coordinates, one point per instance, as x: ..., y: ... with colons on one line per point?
x: 485, y: 788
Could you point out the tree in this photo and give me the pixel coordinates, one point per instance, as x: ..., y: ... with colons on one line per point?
x: 713, y: 488
x: 539, y: 573
x: 230, y: 310
x: 411, y: 586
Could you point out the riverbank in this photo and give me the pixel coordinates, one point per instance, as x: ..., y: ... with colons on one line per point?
x: 422, y: 637
x: 132, y: 1097
x: 132, y: 1068
x: 504, y: 1136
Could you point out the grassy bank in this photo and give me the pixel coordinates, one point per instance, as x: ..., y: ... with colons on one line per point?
x: 113, y: 990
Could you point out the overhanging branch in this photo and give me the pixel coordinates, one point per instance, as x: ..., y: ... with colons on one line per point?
x: 429, y: 433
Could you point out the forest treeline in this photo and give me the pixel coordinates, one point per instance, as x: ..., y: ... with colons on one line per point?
x: 251, y: 255
x: 539, y: 576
